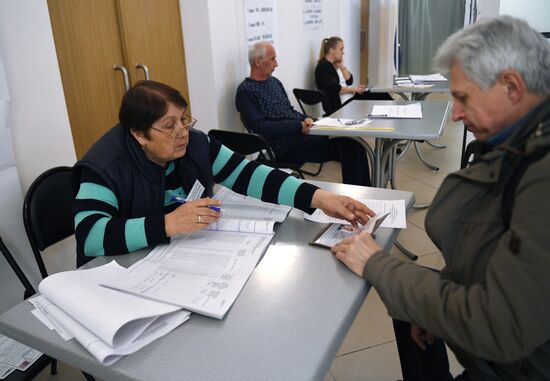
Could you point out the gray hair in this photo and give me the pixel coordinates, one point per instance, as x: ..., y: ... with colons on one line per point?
x: 487, y: 48
x: 258, y: 50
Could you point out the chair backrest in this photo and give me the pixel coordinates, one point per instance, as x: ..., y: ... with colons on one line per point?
x: 246, y: 143
x: 29, y: 289
x: 243, y: 143
x: 311, y: 98
x: 47, y: 211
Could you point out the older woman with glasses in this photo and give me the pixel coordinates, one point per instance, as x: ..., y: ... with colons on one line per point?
x: 130, y: 184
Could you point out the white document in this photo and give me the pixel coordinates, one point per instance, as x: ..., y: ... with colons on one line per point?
x: 237, y: 206
x: 16, y: 355
x: 108, y: 323
x: 196, y: 191
x: 203, y: 272
x: 436, y: 77
x: 243, y: 226
x: 410, y: 111
x: 396, y: 218
x: 342, y: 124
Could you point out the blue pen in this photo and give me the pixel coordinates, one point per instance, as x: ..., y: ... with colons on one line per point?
x: 183, y: 201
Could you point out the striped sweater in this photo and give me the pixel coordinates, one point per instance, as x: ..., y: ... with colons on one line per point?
x: 102, y: 229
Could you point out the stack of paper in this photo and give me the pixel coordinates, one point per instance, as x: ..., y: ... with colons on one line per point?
x: 247, y: 214
x: 108, y: 323
x: 427, y: 78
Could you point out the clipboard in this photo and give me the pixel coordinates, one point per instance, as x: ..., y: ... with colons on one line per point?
x: 333, y: 233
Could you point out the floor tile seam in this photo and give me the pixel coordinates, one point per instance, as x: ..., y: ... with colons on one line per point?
x: 365, y: 349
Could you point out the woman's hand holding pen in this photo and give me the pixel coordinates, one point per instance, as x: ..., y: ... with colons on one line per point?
x: 192, y: 216
x: 343, y: 207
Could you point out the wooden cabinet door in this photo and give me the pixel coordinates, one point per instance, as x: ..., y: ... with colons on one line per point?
x: 87, y: 42
x: 152, y: 35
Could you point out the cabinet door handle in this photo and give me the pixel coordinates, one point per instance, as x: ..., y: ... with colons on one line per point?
x: 124, y: 75
x: 145, y: 70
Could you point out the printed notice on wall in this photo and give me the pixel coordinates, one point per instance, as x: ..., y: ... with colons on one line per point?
x: 261, y: 21
x: 313, y: 14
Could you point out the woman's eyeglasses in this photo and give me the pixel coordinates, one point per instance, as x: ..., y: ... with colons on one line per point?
x: 177, y: 132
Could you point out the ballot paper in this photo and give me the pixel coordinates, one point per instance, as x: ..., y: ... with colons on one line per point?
x: 397, y: 217
x: 108, y: 323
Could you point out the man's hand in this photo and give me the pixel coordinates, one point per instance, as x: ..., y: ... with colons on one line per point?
x: 421, y: 337
x: 343, y: 207
x: 356, y: 251
x: 306, y: 125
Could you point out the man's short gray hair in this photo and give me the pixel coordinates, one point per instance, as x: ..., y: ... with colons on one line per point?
x: 256, y: 51
x: 487, y: 48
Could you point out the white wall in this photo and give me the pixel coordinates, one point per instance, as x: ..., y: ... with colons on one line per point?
x: 536, y: 12
x: 38, y: 115
x: 217, y: 63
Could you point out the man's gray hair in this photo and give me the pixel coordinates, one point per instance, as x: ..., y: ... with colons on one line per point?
x: 256, y: 51
x: 487, y: 48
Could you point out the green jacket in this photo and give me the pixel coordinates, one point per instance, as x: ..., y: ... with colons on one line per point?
x: 491, y: 303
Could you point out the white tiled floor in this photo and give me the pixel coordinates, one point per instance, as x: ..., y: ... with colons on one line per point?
x: 369, y: 351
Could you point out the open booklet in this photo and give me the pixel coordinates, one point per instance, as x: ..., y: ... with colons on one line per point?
x: 247, y: 214
x: 108, y: 323
x: 203, y: 272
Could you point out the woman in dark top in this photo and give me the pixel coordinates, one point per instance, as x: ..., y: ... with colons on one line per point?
x: 129, y: 185
x: 334, y: 79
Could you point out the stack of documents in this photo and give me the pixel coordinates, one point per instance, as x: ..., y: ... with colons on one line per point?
x: 108, y: 323
x: 427, y: 78
x: 113, y: 311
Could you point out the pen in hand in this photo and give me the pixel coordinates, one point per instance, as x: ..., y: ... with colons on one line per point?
x: 181, y: 200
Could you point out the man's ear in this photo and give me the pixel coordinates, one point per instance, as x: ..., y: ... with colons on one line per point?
x: 515, y: 85
x: 258, y: 62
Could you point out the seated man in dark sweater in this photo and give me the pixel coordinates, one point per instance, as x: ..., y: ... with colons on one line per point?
x: 262, y: 101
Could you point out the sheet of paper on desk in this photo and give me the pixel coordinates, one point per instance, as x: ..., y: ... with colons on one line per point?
x: 341, y: 123
x: 397, y: 217
x: 427, y: 78
x: 108, y: 323
x: 410, y: 111
x: 203, y: 272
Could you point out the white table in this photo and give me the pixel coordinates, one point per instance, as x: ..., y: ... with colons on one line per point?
x: 287, y: 324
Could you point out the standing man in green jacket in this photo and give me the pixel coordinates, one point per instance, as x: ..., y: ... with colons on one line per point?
x: 491, y: 221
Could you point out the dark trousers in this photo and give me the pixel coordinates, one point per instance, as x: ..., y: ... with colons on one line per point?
x: 320, y: 149
x: 417, y: 364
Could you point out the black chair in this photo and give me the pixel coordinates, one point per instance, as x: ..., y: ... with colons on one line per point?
x: 246, y: 143
x: 47, y: 211
x: 48, y: 214
x: 42, y: 362
x: 312, y: 98
x: 276, y: 163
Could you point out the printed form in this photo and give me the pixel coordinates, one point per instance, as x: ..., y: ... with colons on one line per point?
x: 203, y: 272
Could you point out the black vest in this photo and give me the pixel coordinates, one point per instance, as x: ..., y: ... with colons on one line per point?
x: 137, y: 182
